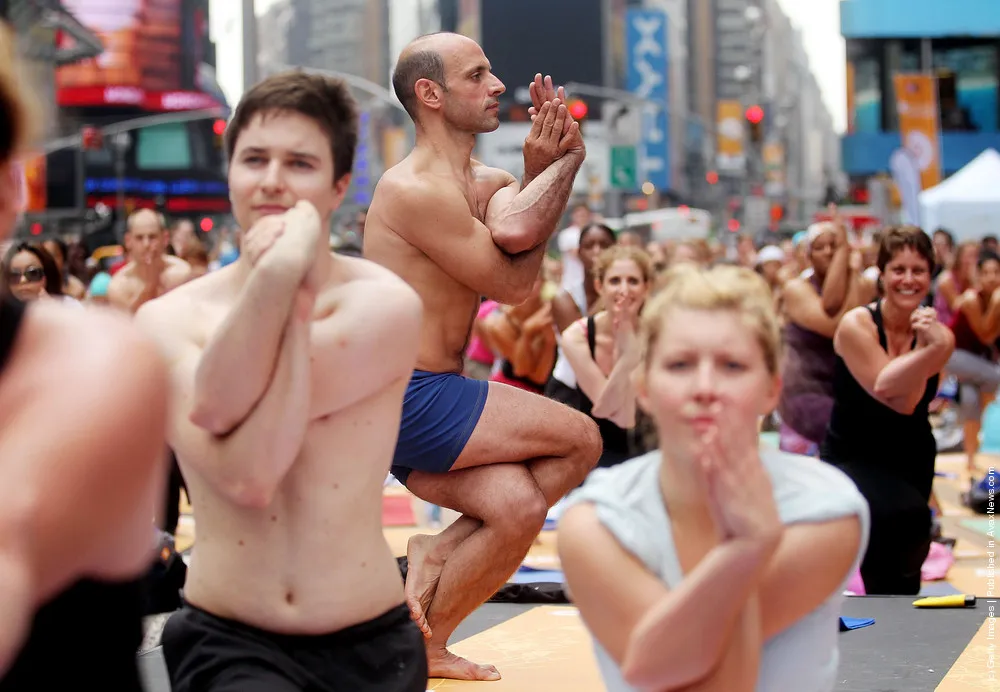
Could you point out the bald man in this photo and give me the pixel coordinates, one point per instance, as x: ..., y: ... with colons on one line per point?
x: 457, y: 230
x: 150, y: 272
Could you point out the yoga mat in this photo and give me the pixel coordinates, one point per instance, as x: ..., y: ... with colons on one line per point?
x: 532, y: 576
x: 981, y: 525
x: 989, y: 439
x: 971, y: 672
x: 545, y: 649
x: 397, y: 510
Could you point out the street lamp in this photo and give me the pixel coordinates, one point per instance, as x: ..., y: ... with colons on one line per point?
x: 120, y: 142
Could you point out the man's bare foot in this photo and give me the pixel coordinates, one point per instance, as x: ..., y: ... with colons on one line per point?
x: 423, y: 571
x: 448, y: 665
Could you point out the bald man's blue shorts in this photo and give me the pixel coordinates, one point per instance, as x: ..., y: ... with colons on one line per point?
x: 440, y: 412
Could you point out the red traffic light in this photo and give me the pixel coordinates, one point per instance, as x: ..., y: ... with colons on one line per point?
x: 206, y: 224
x: 219, y: 127
x: 578, y: 109
x: 755, y: 114
x: 734, y: 225
x: 712, y: 177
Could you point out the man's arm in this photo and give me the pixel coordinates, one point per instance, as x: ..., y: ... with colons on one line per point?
x: 366, y: 342
x: 434, y: 217
x: 236, y: 366
x: 86, y: 496
x: 247, y: 465
x: 120, y: 297
x: 522, y: 220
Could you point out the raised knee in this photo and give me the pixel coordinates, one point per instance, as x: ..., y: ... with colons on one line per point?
x: 587, y: 442
x: 525, y: 512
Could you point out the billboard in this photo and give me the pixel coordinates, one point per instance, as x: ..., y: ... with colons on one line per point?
x: 153, y: 58
x: 647, y: 77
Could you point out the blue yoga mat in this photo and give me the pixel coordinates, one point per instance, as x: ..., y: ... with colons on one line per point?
x: 990, y: 435
x: 535, y: 576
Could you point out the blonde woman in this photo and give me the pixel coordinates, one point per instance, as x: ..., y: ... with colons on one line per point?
x: 603, y: 350
x: 711, y: 519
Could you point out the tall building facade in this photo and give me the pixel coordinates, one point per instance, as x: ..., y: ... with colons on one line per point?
x: 958, y: 42
x: 344, y: 36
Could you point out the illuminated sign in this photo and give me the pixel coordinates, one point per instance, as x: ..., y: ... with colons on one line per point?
x: 153, y: 56
x: 152, y: 188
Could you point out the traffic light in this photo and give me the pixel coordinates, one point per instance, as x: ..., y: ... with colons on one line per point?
x: 577, y: 108
x: 219, y: 128
x: 755, y: 120
x: 91, y: 138
x: 712, y: 178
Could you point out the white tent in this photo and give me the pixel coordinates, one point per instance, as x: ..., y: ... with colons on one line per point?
x: 967, y: 203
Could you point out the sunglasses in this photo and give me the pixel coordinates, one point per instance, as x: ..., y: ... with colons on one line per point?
x: 29, y: 275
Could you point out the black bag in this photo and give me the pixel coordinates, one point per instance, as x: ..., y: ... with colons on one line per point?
x: 541, y: 592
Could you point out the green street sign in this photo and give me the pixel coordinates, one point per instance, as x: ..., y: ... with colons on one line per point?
x: 624, y: 168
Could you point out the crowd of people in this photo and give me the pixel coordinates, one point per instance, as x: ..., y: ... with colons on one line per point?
x: 622, y: 384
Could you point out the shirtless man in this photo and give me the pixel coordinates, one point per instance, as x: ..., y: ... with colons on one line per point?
x: 83, y: 466
x: 150, y: 272
x: 289, y: 368
x: 457, y: 230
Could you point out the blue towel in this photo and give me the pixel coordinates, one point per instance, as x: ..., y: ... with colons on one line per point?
x: 855, y: 623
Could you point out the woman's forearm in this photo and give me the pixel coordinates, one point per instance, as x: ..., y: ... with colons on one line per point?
x: 674, y: 644
x: 617, y: 400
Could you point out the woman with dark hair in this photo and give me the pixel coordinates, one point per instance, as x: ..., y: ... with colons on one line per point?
x: 31, y: 273
x: 72, y: 286
x: 889, y: 356
x: 579, y: 300
x: 955, y: 280
x: 976, y: 326
x: 576, y: 302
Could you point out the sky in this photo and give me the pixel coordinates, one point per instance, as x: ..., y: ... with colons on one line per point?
x: 819, y: 21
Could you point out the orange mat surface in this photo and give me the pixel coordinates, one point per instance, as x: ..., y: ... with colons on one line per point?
x: 544, y: 649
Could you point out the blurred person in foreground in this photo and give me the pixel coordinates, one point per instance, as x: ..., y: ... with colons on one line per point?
x: 86, y: 461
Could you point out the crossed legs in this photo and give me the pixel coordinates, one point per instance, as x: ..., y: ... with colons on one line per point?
x: 525, y: 454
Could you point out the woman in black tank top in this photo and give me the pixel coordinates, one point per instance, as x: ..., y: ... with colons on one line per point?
x: 889, y: 356
x: 603, y: 351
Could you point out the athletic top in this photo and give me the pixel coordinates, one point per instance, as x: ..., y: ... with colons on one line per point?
x: 88, y: 635
x: 628, y: 501
x: 562, y: 370
x: 864, y: 432
x: 807, y: 373
x: 966, y: 338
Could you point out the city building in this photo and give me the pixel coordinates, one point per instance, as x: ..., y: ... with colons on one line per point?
x: 958, y: 41
x: 159, y: 65
x: 349, y: 37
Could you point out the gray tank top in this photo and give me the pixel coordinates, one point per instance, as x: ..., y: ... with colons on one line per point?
x: 627, y: 499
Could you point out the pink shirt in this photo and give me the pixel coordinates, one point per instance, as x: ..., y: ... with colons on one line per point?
x: 477, y: 350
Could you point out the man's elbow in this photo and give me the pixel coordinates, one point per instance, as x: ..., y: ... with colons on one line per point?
x: 251, y: 493
x: 513, y: 240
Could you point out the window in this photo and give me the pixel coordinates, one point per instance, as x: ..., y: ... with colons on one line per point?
x: 163, y: 147
x: 967, y: 84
